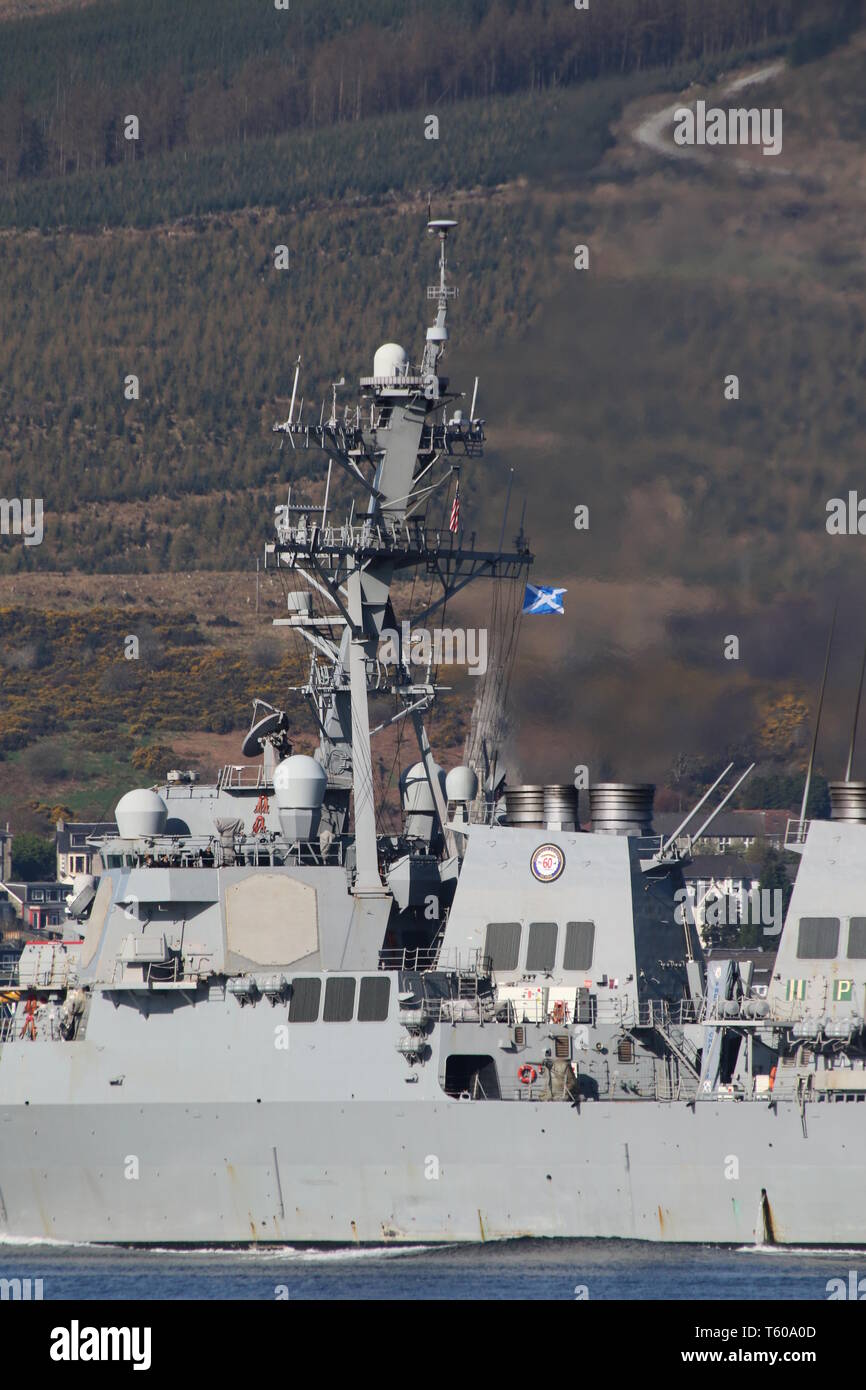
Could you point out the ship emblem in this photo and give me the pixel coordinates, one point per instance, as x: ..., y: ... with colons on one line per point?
x: 547, y: 863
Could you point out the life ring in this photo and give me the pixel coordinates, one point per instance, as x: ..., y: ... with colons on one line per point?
x: 527, y: 1074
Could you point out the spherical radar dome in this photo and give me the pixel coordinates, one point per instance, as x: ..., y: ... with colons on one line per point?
x: 299, y: 782
x: 390, y: 360
x: 461, y: 784
x: 140, y: 813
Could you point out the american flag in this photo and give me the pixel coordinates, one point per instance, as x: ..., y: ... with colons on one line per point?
x: 455, y: 510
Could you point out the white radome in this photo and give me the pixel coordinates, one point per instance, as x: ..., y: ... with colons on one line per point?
x: 390, y: 360
x: 461, y: 784
x: 140, y: 813
x: 417, y: 795
x: 299, y: 783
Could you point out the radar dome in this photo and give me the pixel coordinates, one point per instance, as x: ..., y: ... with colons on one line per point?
x: 140, y: 813
x: 417, y: 795
x: 391, y: 360
x: 299, y: 788
x: 461, y: 784
x: 419, y: 808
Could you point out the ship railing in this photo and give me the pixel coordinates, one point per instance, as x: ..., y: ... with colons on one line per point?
x: 648, y: 1013
x: 50, y: 969
x: 421, y: 958
x: 480, y: 1009
x: 484, y: 812
x: 242, y: 776
x: 208, y: 852
x: 796, y: 832
x: 296, y: 542
x: 537, y: 1091
x: 164, y: 972
x: 528, y: 1010
x: 413, y: 958
x: 8, y: 973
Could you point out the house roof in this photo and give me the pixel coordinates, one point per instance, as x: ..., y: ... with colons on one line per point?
x: 729, y: 825
x: 73, y: 834
x: 707, y: 866
x: 23, y: 891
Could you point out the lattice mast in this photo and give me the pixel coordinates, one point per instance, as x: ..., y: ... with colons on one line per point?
x: 399, y: 446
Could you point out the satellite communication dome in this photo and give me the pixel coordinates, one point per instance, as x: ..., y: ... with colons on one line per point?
x: 300, y: 784
x: 419, y: 808
x: 390, y: 360
x: 461, y: 784
x: 417, y: 795
x: 140, y: 813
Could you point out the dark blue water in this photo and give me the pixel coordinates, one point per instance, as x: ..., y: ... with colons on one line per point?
x: 525, y: 1269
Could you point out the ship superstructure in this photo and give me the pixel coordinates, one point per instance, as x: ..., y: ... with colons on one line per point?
x: 284, y: 1023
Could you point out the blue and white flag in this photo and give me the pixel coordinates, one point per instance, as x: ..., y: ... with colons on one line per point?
x: 539, y: 598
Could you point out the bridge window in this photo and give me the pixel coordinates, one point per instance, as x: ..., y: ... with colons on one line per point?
x: 818, y: 938
x: 373, y: 999
x: 339, y: 1000
x: 503, y: 945
x: 579, y: 945
x: 541, y: 951
x: 304, y: 1003
x: 857, y: 938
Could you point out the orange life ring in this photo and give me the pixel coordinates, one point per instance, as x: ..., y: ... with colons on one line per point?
x: 527, y: 1074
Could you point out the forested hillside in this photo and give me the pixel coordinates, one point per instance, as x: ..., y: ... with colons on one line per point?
x: 306, y: 128
x: 202, y: 75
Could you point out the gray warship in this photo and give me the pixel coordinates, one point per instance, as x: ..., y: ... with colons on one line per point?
x: 282, y: 1024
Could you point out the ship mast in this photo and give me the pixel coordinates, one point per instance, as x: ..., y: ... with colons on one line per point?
x: 398, y: 447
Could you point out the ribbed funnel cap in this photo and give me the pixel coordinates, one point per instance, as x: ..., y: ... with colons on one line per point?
x: 848, y: 802
x: 622, y: 808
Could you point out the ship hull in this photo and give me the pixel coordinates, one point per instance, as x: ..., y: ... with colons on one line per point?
x: 420, y: 1172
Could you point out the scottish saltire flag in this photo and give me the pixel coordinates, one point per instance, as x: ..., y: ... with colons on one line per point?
x: 540, y: 598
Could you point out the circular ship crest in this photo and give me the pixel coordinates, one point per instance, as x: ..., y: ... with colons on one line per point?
x: 547, y: 863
